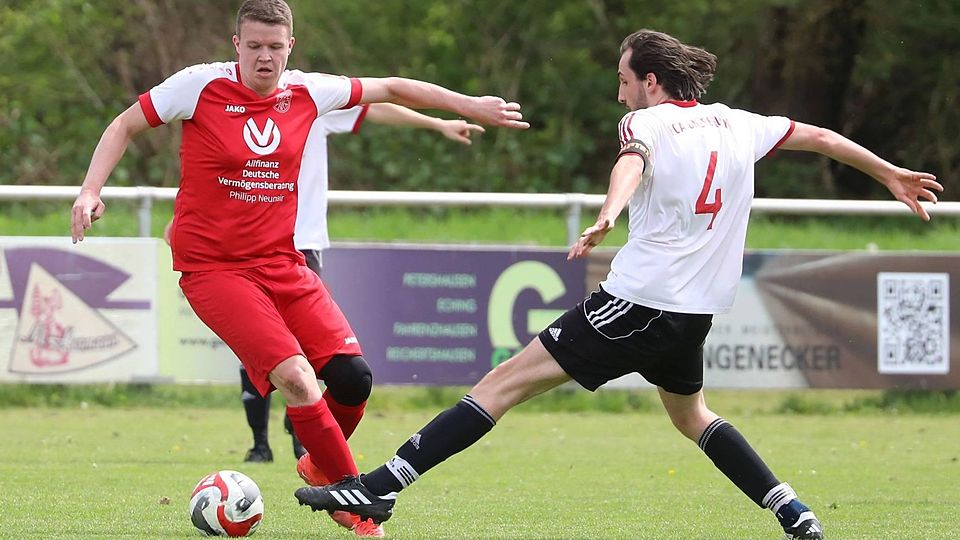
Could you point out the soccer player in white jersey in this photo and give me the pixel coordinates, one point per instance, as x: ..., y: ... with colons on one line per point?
x: 686, y: 170
x: 246, y: 125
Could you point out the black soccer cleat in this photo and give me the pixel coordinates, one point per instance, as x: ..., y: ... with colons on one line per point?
x: 807, y: 527
x: 348, y: 495
x: 259, y: 454
x: 799, y: 522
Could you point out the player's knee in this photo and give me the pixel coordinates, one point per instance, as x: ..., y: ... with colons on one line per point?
x: 348, y: 379
x: 296, y: 381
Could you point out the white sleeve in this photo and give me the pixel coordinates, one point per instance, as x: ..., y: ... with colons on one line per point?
x: 769, y: 132
x: 176, y: 98
x: 330, y: 92
x: 637, y: 125
x: 638, y: 130
x: 344, y: 121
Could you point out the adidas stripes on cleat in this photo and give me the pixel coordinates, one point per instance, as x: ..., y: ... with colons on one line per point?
x: 807, y: 527
x: 348, y: 495
x: 799, y: 522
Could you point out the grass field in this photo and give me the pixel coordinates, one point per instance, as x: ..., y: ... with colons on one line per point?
x: 80, y: 471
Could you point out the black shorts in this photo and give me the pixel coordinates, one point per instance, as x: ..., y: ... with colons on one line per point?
x: 605, y: 338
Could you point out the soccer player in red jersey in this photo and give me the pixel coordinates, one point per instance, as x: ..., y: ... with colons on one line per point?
x: 686, y: 170
x: 348, y: 379
x: 245, y: 127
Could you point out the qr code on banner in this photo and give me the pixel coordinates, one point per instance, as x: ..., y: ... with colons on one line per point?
x: 913, y: 323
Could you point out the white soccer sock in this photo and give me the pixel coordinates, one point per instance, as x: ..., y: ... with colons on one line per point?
x: 403, y: 471
x: 778, y: 496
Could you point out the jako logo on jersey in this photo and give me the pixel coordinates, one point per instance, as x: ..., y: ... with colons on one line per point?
x: 235, y: 109
x: 261, y: 142
x: 283, y: 102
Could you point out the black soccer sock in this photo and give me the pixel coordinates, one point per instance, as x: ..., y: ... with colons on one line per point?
x: 450, y: 432
x: 736, y: 459
x: 257, y: 408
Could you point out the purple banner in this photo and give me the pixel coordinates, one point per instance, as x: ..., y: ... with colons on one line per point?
x: 447, y: 315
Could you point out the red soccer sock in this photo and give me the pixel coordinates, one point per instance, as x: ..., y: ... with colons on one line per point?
x: 347, y: 416
x: 320, y: 434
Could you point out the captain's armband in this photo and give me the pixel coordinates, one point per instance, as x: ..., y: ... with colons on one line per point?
x: 638, y: 147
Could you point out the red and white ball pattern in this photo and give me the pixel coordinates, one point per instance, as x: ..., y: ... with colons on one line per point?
x: 226, y: 503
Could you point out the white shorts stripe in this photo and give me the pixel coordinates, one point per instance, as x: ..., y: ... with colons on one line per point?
x: 600, y: 313
x: 614, y: 316
x: 611, y: 311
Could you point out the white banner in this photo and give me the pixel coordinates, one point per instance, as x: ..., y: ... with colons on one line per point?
x: 77, y: 313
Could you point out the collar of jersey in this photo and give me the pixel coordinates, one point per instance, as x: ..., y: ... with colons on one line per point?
x: 678, y: 103
x: 250, y: 91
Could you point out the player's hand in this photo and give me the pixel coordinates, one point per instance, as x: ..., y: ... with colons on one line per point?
x: 494, y: 111
x: 909, y: 187
x: 86, y: 209
x: 459, y: 130
x: 590, y: 238
x: 167, y: 231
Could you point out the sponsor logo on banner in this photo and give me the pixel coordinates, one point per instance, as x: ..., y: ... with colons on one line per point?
x: 526, y: 275
x: 58, y: 296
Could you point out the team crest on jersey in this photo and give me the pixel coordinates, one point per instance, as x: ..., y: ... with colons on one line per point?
x: 283, y: 102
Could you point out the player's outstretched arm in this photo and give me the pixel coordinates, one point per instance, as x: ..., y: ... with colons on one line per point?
x: 113, y: 143
x: 624, y: 179
x: 489, y: 110
x: 397, y: 115
x: 906, y: 186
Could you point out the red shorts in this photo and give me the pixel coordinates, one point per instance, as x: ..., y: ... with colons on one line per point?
x: 269, y: 313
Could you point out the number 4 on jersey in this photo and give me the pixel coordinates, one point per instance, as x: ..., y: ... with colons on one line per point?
x: 703, y: 207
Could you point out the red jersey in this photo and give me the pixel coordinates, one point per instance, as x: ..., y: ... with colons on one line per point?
x: 240, y: 158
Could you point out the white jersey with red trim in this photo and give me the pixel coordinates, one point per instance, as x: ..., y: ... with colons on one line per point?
x: 688, y: 220
x: 241, y: 156
x: 311, y: 228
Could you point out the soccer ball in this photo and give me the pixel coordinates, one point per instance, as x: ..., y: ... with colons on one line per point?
x: 226, y: 503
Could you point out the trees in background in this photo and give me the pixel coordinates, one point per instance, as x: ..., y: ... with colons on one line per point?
x: 886, y: 73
